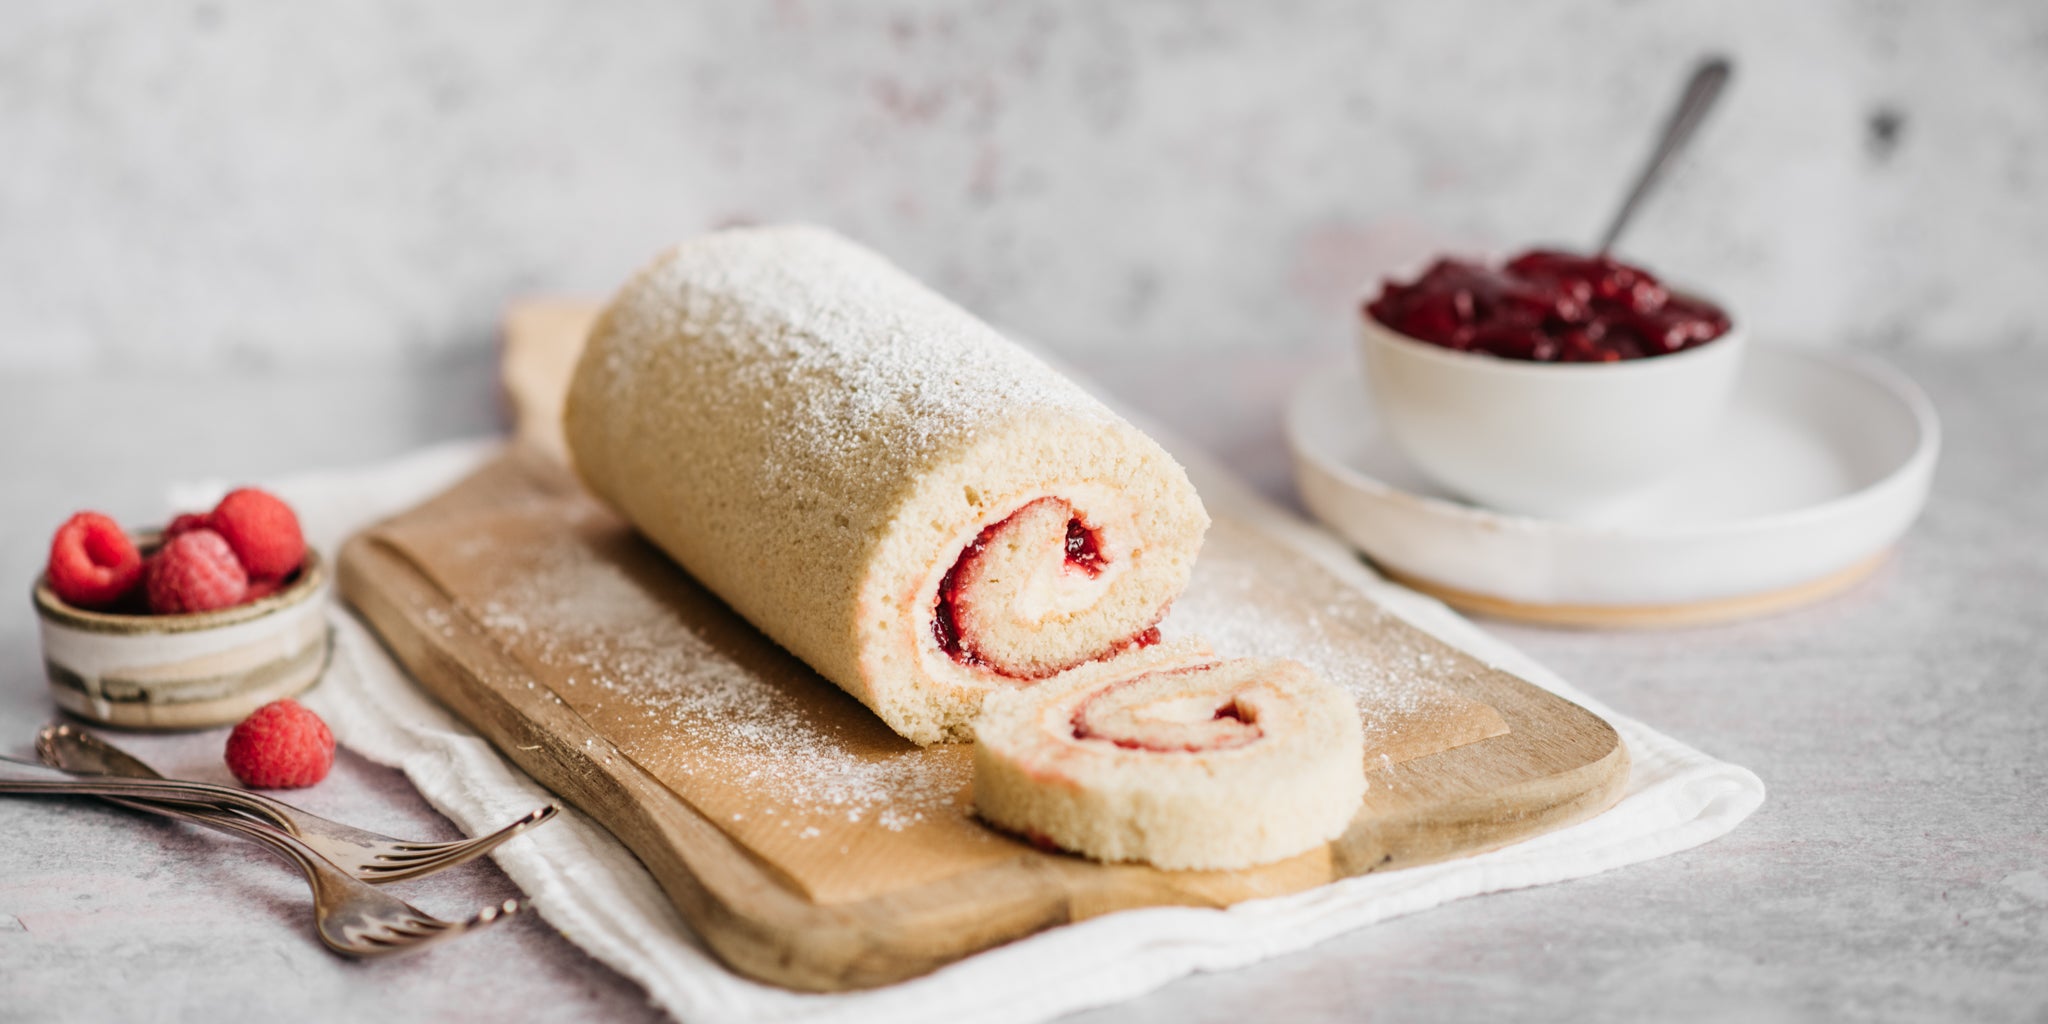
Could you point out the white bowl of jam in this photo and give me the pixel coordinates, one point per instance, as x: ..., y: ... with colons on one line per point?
x: 1553, y: 385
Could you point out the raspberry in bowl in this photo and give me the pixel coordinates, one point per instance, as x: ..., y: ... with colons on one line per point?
x: 195, y: 625
x: 1553, y: 384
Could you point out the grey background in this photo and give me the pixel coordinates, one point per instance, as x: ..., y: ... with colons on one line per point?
x: 243, y: 239
x: 252, y: 184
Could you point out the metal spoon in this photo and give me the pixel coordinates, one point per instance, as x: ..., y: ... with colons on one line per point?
x: 1699, y: 96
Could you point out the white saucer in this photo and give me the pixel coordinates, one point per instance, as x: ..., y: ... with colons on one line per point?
x: 1823, y: 462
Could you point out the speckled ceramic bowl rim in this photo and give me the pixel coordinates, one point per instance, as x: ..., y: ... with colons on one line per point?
x: 312, y: 578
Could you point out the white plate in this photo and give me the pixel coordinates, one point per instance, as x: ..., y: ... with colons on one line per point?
x: 1823, y: 462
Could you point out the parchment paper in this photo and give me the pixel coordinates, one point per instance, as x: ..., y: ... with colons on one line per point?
x: 791, y: 767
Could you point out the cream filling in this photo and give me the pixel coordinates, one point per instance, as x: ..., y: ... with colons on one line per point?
x: 1052, y: 595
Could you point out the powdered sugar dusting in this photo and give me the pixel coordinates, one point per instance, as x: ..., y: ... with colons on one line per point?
x: 833, y: 345
x: 618, y: 653
x: 1242, y: 603
x: 682, y: 686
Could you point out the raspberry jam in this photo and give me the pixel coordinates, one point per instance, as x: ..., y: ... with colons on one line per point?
x: 1548, y: 307
x: 1082, y: 550
x: 1166, y: 737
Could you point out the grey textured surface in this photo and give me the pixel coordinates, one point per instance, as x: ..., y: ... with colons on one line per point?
x: 108, y: 915
x: 1898, y: 869
x: 1896, y: 872
x: 371, y: 180
x: 240, y: 238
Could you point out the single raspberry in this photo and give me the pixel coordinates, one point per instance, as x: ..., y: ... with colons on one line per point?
x: 281, y: 745
x: 185, y: 522
x: 195, y: 571
x: 263, y: 531
x: 93, y: 564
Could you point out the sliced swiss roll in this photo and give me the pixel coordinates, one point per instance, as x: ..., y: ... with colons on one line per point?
x: 919, y: 509
x: 1174, y: 757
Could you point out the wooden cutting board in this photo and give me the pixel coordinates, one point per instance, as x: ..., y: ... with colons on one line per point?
x: 813, y: 848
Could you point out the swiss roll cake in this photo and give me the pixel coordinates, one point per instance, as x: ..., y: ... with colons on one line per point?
x: 1174, y: 757
x: 919, y: 509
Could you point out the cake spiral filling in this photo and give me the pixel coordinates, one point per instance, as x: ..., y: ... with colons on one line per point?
x: 1024, y: 578
x: 1174, y: 757
x: 1158, y: 712
x: 919, y: 509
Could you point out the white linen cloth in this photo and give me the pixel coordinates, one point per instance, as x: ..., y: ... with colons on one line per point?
x: 589, y: 886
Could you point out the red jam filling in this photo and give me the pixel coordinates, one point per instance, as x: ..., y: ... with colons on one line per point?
x: 1250, y: 731
x: 1548, y: 307
x: 1084, y: 547
x: 1041, y: 840
x: 946, y: 615
x: 1083, y: 554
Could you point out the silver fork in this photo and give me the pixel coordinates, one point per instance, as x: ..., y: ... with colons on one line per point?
x: 351, y: 916
x: 366, y: 855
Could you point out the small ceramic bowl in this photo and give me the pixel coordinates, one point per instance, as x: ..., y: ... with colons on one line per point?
x: 1558, y: 440
x: 186, y: 671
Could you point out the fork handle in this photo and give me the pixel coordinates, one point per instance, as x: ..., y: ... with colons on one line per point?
x: 153, y: 789
x: 187, y: 793
x: 165, y: 799
x: 287, y: 846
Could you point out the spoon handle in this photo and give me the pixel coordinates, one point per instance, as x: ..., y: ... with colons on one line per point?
x: 1700, y: 94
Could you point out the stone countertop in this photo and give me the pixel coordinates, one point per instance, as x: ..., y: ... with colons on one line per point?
x: 1898, y: 869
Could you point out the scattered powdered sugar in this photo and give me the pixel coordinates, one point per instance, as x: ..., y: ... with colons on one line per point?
x: 692, y: 706
x: 691, y: 693
x: 1245, y: 602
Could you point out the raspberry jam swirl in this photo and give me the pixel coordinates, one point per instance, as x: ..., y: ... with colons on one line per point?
x: 1159, y: 712
x: 1035, y: 569
x: 1175, y: 757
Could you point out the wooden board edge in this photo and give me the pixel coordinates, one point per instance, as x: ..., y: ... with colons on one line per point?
x: 1549, y: 803
x: 539, y: 340
x: 762, y: 926
x: 752, y: 919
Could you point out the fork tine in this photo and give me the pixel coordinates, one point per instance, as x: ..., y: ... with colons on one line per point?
x: 350, y: 916
x: 415, y: 856
x: 85, y: 755
x: 380, y: 875
x: 503, y: 910
x: 523, y: 822
x: 414, y: 932
x: 416, y: 862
